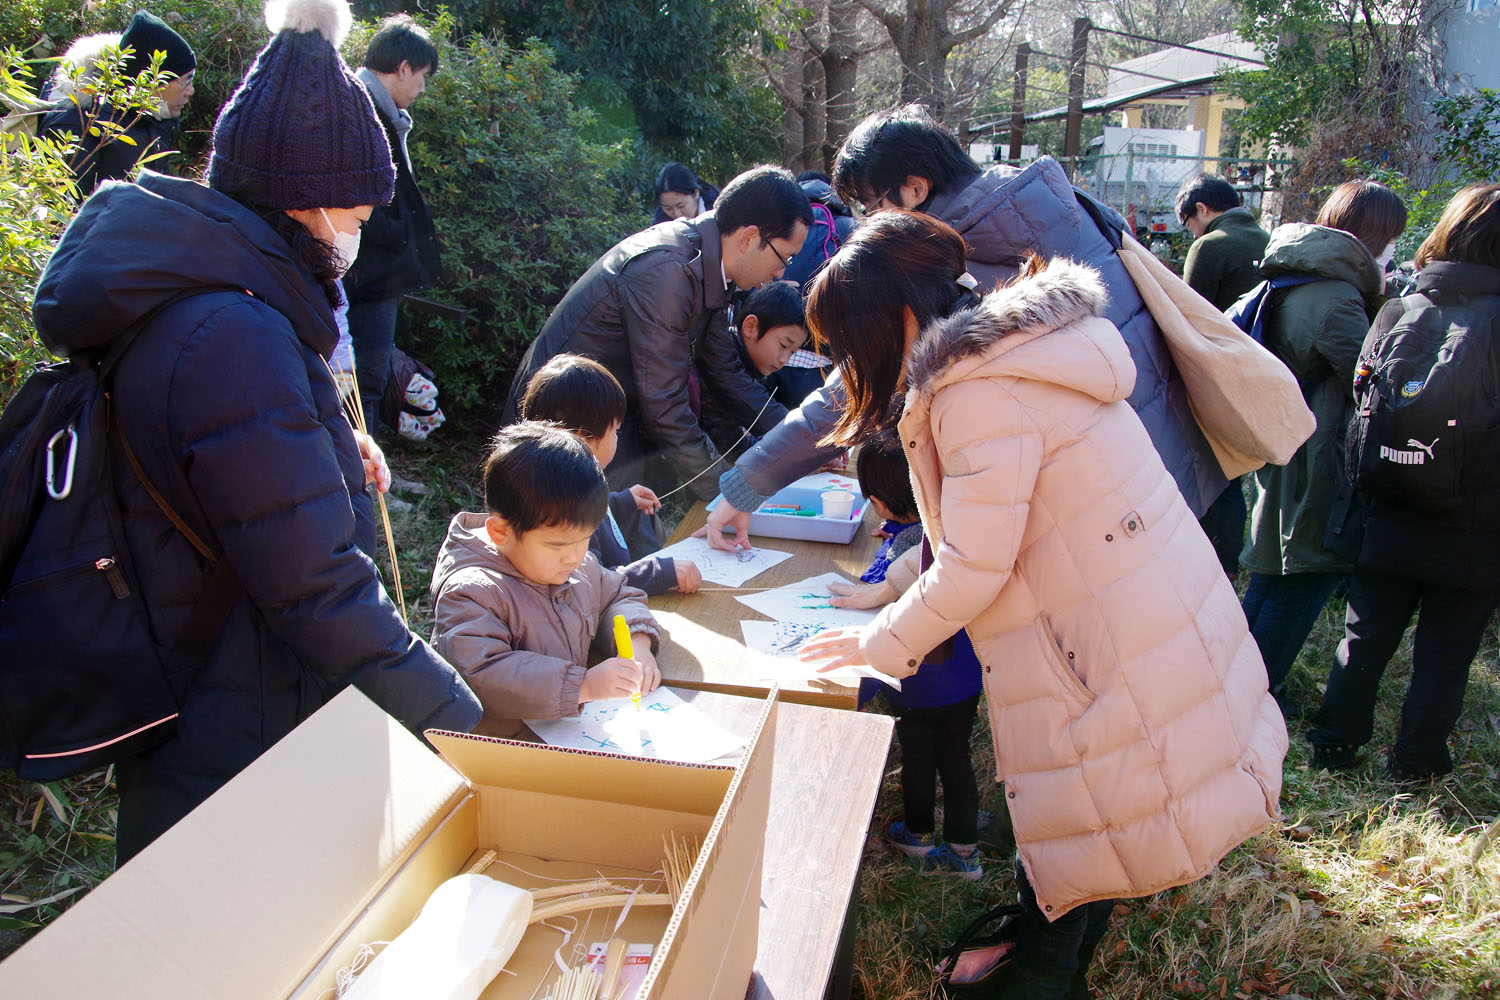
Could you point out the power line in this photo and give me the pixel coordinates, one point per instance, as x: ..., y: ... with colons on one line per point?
x: 1175, y: 45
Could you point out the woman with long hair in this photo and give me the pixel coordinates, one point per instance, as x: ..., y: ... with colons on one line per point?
x: 1132, y: 725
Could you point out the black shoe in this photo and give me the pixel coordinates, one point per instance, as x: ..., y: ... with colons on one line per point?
x: 1335, y: 758
x: 1291, y: 708
x: 1409, y: 779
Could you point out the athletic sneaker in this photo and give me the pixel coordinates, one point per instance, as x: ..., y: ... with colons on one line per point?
x: 915, y: 845
x: 944, y: 859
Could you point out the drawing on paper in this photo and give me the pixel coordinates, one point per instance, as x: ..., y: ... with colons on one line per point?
x: 807, y: 602
x: 665, y: 728
x: 781, y: 642
x: 781, y: 638
x: 728, y: 569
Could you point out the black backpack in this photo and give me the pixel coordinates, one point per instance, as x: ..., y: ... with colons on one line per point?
x: 1420, y: 392
x: 83, y: 681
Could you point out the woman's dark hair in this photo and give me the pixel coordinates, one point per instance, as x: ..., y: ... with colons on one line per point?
x: 885, y: 476
x: 1369, y: 211
x: 574, y: 392
x: 766, y: 197
x: 1215, y: 192
x: 539, y: 475
x: 677, y: 178
x: 317, y: 257
x: 814, y: 175
x: 897, y: 260
x: 400, y: 39
x: 1468, y: 231
x: 776, y: 303
x: 888, y: 146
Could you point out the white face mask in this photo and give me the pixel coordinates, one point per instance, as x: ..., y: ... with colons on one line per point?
x: 1386, y: 255
x: 346, y: 245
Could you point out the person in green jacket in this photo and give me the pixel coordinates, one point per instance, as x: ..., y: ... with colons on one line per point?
x: 1222, y: 264
x: 1317, y: 329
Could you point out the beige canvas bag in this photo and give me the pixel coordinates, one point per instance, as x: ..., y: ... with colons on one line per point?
x: 1246, y: 402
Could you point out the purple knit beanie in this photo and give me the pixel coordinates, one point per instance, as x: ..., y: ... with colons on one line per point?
x: 301, y: 131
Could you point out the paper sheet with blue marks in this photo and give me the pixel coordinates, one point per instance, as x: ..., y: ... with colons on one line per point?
x: 807, y: 601
x: 728, y: 569
x: 664, y: 728
x: 779, y: 644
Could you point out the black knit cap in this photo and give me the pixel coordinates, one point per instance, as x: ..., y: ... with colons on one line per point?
x: 301, y: 132
x: 148, y: 34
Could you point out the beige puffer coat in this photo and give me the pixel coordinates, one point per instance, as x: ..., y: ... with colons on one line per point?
x: 1132, y: 725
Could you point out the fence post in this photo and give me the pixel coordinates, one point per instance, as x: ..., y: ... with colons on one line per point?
x: 1018, y: 105
x: 1075, y: 85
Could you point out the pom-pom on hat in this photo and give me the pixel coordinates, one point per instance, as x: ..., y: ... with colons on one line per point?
x: 301, y: 132
x: 148, y: 34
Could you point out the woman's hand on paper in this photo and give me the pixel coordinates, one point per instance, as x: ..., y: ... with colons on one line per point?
x: 862, y: 596
x: 839, y: 646
x: 725, y: 516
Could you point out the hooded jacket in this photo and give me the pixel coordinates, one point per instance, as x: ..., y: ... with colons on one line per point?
x: 1127, y: 699
x: 231, y: 409
x: 1002, y: 213
x: 523, y: 646
x: 642, y: 311
x: 1316, y: 330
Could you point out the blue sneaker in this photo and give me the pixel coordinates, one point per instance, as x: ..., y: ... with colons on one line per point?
x: 914, y: 845
x: 944, y: 859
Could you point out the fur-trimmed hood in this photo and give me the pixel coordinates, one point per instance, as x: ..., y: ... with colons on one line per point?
x: 1003, y: 336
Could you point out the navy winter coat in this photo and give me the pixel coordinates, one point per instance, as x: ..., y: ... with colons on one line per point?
x: 229, y: 404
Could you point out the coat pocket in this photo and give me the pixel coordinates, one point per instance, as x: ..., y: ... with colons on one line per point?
x: 1060, y: 657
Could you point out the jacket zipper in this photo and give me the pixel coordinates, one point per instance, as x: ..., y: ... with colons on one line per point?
x: 106, y: 565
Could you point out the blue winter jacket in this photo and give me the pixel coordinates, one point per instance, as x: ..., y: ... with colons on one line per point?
x: 1001, y: 214
x: 227, y: 401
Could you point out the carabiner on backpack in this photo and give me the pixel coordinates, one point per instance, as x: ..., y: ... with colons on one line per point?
x: 53, y: 490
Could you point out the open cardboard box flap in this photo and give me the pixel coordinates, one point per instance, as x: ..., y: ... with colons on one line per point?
x: 205, y: 910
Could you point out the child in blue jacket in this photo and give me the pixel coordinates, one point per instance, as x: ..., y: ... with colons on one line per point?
x: 936, y: 705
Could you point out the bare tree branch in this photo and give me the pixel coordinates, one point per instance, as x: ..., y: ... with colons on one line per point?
x: 982, y: 28
x: 892, y: 20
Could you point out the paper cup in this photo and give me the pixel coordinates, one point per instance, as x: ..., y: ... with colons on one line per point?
x: 838, y: 504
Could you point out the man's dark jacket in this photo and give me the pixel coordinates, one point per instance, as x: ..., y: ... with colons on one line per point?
x: 233, y: 413
x: 398, y: 247
x: 1224, y: 263
x: 107, y: 156
x: 642, y: 311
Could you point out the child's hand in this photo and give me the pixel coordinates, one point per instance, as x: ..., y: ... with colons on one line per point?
x: 376, y: 471
x: 615, y: 677
x: 650, y: 672
x: 689, y: 576
x: 838, y: 463
x: 861, y: 595
x: 645, y: 500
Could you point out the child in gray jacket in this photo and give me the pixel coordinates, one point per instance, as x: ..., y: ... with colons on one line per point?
x: 519, y: 600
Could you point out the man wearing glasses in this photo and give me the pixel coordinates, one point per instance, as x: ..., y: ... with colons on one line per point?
x: 643, y: 308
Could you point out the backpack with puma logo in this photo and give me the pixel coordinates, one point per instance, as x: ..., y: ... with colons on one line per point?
x: 1421, y: 392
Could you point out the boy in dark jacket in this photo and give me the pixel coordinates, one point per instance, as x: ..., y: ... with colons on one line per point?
x: 519, y: 601
x: 581, y: 395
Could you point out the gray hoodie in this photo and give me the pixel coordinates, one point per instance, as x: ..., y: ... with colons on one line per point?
x: 523, y: 646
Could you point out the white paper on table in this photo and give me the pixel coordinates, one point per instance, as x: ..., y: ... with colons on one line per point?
x: 664, y: 728
x: 807, y: 601
x: 729, y: 569
x: 778, y: 644
x: 828, y: 481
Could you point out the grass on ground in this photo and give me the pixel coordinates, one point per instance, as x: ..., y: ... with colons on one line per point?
x: 1364, y: 891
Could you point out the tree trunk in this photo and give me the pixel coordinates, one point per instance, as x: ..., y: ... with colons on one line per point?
x: 840, y: 73
x: 923, y: 45
x: 814, y: 114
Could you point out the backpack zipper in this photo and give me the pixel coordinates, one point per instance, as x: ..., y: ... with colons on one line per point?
x: 112, y: 574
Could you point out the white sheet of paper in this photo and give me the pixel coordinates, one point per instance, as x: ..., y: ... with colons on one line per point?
x: 828, y: 481
x: 664, y: 728
x: 806, y: 601
x: 729, y: 569
x: 778, y: 642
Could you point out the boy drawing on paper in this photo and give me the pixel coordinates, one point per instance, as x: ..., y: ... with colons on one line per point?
x: 936, y: 705
x: 520, y: 601
x: 581, y: 395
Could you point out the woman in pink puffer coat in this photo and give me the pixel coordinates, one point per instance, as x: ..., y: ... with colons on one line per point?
x: 1133, y: 730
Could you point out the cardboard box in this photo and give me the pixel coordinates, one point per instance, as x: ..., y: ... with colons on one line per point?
x: 337, y: 835
x: 807, y: 494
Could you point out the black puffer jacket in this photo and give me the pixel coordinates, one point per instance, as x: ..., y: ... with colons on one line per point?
x: 97, y: 160
x: 1458, y: 548
x: 233, y: 413
x: 642, y: 311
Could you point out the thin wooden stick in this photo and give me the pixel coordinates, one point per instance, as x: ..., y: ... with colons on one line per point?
x: 576, y: 904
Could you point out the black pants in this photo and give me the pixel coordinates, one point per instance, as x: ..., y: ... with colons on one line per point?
x: 1282, y: 611
x: 372, y: 329
x: 1052, y: 958
x: 1450, y: 625
x: 935, y: 744
x: 1224, y: 524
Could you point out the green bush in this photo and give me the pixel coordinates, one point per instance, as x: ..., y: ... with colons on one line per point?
x: 523, y: 199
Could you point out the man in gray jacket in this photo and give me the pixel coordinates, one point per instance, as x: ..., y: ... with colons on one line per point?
x: 902, y: 158
x: 643, y: 308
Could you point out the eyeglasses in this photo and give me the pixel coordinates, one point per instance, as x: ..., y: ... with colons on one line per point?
x: 879, y: 203
x: 785, y: 263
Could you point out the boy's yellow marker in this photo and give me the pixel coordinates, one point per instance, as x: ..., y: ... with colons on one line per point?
x: 625, y: 648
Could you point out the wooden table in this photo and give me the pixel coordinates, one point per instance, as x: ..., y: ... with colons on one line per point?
x: 703, y: 647
x: 825, y: 777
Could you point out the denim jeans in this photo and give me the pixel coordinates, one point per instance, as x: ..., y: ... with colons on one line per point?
x: 1281, y: 611
x: 1052, y: 958
x: 1224, y: 524
x: 1450, y: 626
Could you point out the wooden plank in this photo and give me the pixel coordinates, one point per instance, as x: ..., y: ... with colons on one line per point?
x: 704, y: 648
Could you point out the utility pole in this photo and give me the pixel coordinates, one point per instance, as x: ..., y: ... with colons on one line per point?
x: 1018, y: 105
x: 1075, y: 86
